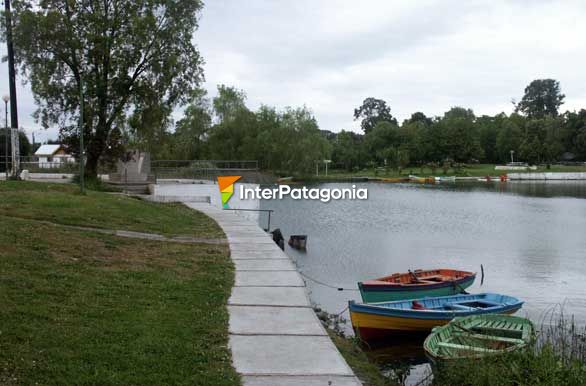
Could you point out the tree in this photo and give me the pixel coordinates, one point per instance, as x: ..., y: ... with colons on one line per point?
x: 372, y: 112
x: 348, y: 150
x: 459, y: 137
x: 573, y: 133
x: 25, y: 147
x: 509, y: 137
x: 542, y: 97
x: 418, y: 117
x: 125, y: 55
x: 382, y: 141
x: 229, y: 102
x: 191, y: 130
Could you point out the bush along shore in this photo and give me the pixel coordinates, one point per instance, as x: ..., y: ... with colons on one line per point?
x: 556, y: 357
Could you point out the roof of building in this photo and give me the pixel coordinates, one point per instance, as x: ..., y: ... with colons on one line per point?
x: 48, y: 149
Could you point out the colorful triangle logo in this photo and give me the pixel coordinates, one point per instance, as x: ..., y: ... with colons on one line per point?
x: 226, y: 185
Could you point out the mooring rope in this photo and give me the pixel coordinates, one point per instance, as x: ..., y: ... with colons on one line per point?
x: 326, y: 284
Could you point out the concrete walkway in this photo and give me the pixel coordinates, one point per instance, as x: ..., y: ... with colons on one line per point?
x: 275, y: 337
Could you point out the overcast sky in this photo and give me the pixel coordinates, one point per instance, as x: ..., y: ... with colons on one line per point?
x: 424, y: 55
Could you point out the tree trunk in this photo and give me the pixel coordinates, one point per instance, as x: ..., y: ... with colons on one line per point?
x: 91, y: 165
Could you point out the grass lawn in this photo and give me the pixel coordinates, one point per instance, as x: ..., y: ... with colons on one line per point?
x: 476, y: 170
x: 62, y: 204
x: 368, y: 372
x: 85, y: 308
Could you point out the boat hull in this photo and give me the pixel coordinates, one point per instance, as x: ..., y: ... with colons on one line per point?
x: 372, y: 322
x: 375, y: 295
x: 372, y: 327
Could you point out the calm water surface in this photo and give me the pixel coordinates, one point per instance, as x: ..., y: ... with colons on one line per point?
x: 530, y: 237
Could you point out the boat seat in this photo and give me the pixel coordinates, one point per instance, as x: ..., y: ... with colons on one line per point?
x: 461, y: 307
x: 466, y: 348
x: 491, y: 337
x: 489, y: 329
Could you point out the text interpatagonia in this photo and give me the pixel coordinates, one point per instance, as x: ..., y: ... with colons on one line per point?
x: 305, y: 193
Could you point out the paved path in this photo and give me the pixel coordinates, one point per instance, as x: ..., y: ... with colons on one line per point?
x: 275, y: 337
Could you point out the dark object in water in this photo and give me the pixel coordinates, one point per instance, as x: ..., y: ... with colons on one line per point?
x: 298, y: 241
x: 278, y: 238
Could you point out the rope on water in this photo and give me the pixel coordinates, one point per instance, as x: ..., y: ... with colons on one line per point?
x: 341, y: 312
x: 326, y: 284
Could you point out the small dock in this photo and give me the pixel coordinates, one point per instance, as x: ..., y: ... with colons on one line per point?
x: 275, y: 336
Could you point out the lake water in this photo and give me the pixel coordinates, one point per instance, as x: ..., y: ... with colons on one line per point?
x: 530, y: 237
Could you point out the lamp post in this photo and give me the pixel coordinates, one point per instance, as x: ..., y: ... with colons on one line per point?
x: 6, y: 99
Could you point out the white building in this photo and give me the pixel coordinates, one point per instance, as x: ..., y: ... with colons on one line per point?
x: 53, y: 156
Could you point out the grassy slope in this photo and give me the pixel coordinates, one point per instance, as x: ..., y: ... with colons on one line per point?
x: 479, y: 170
x: 60, y: 203
x: 78, y: 307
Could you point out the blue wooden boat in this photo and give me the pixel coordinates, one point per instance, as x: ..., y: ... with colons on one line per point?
x: 374, y: 320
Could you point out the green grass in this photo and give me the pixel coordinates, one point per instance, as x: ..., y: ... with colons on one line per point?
x: 62, y: 204
x: 539, y: 368
x: 475, y: 170
x: 363, y: 368
x: 79, y: 307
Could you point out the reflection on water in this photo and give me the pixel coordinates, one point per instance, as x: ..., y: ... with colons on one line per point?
x: 529, y: 237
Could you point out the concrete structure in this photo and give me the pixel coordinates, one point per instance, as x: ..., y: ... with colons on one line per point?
x: 202, y: 191
x: 514, y: 167
x: 547, y: 176
x: 53, y: 156
x: 275, y: 337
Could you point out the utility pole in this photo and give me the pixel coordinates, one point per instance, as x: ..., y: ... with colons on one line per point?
x: 6, y: 99
x: 12, y: 87
x: 81, y: 148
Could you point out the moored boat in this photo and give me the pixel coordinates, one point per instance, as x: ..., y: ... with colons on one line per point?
x: 374, y: 320
x: 422, y: 180
x: 446, y: 179
x: 478, y: 336
x: 394, y: 180
x: 416, y: 284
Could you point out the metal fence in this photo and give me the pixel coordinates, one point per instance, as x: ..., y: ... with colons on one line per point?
x: 204, y: 169
x: 55, y: 165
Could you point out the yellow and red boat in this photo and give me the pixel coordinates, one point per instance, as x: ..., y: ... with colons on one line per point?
x: 416, y: 284
x: 375, y: 320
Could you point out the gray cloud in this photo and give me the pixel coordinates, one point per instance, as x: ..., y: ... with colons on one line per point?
x: 419, y: 56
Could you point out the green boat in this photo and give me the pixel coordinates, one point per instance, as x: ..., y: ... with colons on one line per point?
x: 478, y: 336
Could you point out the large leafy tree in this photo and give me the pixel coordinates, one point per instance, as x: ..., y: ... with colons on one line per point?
x: 542, y: 97
x: 460, y: 141
x: 229, y: 102
x: 348, y: 150
x: 191, y: 131
x: 128, y: 56
x: 371, y: 112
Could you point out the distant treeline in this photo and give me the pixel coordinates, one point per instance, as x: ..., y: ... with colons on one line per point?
x: 290, y: 140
